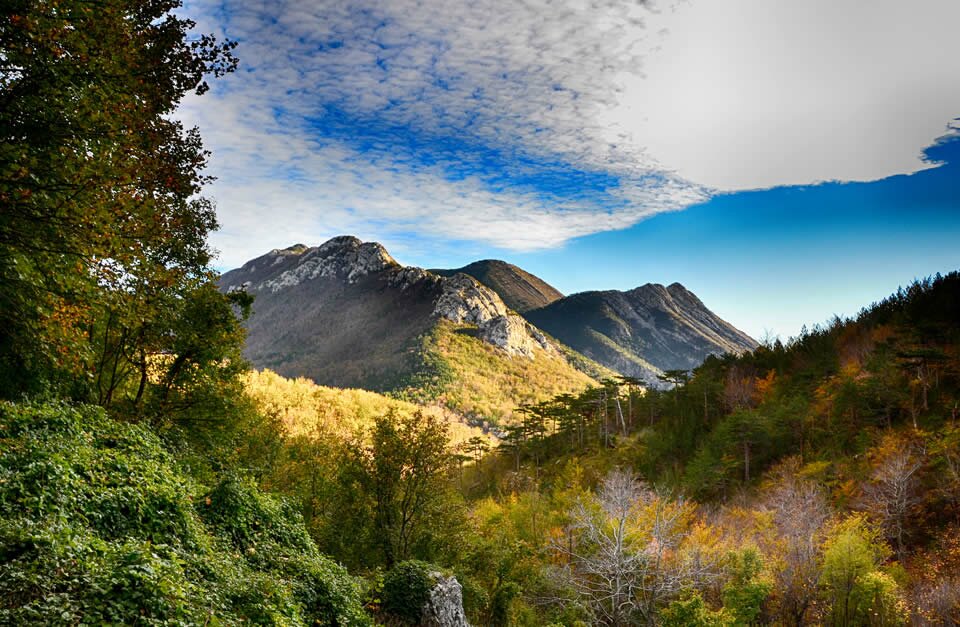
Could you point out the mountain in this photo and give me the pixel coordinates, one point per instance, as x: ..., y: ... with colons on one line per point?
x: 346, y: 314
x: 641, y: 332
x: 520, y: 290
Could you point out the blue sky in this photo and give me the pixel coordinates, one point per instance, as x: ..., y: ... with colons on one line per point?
x: 786, y: 161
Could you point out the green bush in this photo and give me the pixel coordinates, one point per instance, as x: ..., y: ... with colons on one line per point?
x: 406, y: 589
x: 691, y: 611
x: 97, y: 526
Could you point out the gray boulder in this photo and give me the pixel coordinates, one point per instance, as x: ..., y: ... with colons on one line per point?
x: 444, y: 608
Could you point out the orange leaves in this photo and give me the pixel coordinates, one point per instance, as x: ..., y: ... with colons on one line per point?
x: 764, y: 386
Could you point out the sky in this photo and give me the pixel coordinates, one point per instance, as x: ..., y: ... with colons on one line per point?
x: 786, y: 161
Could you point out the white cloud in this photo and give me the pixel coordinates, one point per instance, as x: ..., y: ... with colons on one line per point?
x: 341, y: 191
x: 759, y: 93
x: 457, y: 104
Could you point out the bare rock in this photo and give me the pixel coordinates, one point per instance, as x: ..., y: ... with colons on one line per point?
x: 344, y: 256
x: 444, y: 608
x: 514, y: 335
x: 466, y: 300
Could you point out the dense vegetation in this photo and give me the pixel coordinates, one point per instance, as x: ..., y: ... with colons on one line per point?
x: 477, y: 380
x: 834, y: 460
x: 147, y: 476
x: 100, y: 526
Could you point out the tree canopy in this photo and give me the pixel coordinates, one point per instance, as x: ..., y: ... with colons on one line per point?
x: 103, y: 236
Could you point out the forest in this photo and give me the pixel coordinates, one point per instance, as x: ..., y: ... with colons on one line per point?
x: 149, y: 476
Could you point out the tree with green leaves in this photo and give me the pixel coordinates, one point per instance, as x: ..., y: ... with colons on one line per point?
x: 401, y: 472
x: 103, y: 237
x: 859, y: 593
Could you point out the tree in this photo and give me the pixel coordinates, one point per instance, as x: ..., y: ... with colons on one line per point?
x: 893, y: 490
x: 800, y: 511
x: 859, y: 593
x: 102, y: 230
x: 745, y: 593
x: 403, y: 471
x: 625, y: 561
x: 693, y: 612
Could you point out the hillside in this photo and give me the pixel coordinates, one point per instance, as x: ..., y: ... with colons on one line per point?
x: 345, y: 314
x: 641, y: 332
x: 520, y: 290
x: 830, y: 463
x: 101, y: 525
x: 304, y: 408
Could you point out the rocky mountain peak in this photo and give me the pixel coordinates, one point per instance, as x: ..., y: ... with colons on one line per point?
x: 296, y: 249
x: 344, y: 256
x: 460, y: 298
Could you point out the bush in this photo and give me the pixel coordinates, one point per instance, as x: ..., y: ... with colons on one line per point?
x: 691, y: 611
x: 97, y: 526
x: 406, y: 589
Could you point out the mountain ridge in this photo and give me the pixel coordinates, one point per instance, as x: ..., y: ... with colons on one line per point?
x: 519, y: 289
x: 346, y: 314
x: 642, y: 331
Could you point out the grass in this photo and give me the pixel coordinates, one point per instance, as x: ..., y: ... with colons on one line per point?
x: 480, y: 381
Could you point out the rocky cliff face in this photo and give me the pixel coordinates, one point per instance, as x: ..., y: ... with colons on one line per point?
x: 465, y: 300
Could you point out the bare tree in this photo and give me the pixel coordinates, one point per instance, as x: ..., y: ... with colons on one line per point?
x: 739, y: 388
x: 800, y: 510
x: 624, y: 563
x: 938, y: 602
x: 892, y: 492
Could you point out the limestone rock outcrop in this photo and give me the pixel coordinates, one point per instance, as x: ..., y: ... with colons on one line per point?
x: 465, y: 300
x: 343, y: 256
x: 444, y: 608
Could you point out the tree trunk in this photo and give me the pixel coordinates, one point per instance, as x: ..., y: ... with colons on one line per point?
x: 746, y: 461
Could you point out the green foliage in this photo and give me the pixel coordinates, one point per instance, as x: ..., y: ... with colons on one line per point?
x: 108, y: 294
x: 859, y: 594
x: 693, y: 612
x: 98, y: 526
x: 406, y: 589
x: 745, y: 593
x: 396, y: 492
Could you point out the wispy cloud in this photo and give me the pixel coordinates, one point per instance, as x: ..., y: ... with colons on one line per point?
x: 516, y: 124
x: 462, y: 121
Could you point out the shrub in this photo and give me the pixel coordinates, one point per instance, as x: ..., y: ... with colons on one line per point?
x: 97, y: 526
x: 406, y: 589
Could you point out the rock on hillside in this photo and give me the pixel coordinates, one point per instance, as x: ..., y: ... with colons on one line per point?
x: 643, y: 331
x: 444, y: 607
x: 520, y: 290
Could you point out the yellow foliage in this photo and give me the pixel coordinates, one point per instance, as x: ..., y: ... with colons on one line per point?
x: 763, y: 386
x: 305, y: 408
x: 485, y: 383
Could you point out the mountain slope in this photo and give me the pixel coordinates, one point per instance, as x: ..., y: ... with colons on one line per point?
x: 306, y: 409
x: 520, y: 290
x: 345, y: 314
x: 642, y: 331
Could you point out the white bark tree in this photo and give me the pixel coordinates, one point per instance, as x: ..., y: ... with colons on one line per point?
x: 625, y: 562
x: 800, y: 511
x: 893, y: 491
